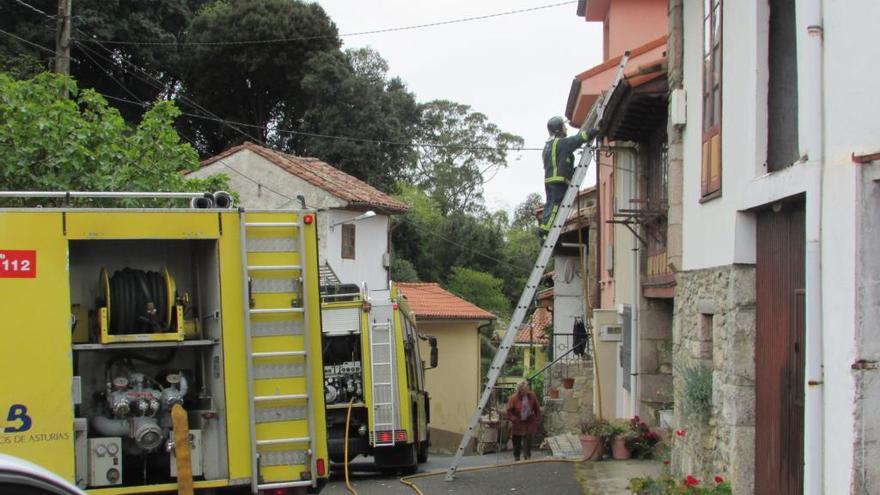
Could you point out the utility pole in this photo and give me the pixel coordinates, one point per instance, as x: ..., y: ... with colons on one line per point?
x: 62, y: 39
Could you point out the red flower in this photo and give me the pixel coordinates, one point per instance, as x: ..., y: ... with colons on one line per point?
x: 719, y: 480
x: 691, y: 481
x: 666, y: 462
x: 636, y: 419
x: 681, y: 433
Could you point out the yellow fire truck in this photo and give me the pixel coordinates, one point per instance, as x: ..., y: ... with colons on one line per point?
x: 147, y: 348
x: 374, y: 379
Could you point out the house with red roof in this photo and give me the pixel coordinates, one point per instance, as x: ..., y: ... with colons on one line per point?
x: 454, y: 386
x: 352, y: 248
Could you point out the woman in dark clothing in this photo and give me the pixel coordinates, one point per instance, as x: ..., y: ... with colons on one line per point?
x: 524, y: 412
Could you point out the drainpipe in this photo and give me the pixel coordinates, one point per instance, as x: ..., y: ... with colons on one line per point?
x: 812, y: 133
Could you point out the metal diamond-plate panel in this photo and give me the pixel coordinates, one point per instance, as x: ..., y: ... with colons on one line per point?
x: 341, y: 320
x: 278, y: 370
x: 272, y: 328
x: 270, y: 244
x: 274, y: 285
x: 283, y: 458
x: 272, y: 414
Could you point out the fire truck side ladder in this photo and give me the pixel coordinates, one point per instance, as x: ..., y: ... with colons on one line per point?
x: 276, y: 364
x: 382, y: 362
x: 528, y: 293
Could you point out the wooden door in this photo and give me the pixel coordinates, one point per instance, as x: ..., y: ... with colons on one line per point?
x: 779, y: 351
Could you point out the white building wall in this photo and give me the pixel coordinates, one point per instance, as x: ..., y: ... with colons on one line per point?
x: 371, y: 244
x: 252, y: 177
x: 838, y: 110
x: 568, y: 302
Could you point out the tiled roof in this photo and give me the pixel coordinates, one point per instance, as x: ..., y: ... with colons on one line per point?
x: 322, y: 175
x: 429, y: 301
x: 533, y: 331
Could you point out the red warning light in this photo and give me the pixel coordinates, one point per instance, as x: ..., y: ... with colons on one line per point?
x: 321, y: 467
x: 308, y: 219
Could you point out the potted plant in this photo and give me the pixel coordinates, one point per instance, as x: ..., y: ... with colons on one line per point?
x: 594, y: 434
x: 622, y: 436
x: 643, y: 439
x: 553, y: 392
x: 568, y: 382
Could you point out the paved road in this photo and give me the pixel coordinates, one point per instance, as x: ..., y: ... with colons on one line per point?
x: 526, y: 478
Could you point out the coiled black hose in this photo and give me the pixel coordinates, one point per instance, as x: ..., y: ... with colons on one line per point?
x: 138, y: 302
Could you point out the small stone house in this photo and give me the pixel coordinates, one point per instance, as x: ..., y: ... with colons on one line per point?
x: 355, y: 250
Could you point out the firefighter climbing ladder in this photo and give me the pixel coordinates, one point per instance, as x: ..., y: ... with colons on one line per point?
x: 528, y: 293
x: 276, y: 338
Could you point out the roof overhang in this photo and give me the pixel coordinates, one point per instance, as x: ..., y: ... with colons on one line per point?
x: 593, y: 10
x: 636, y: 108
x: 588, y: 85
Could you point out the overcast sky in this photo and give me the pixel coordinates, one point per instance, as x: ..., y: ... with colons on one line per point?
x: 516, y: 69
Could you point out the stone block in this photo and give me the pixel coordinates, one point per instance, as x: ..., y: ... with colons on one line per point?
x: 707, y: 307
x: 740, y: 364
x: 737, y: 405
x: 742, y: 286
x: 655, y: 387
x: 741, y: 467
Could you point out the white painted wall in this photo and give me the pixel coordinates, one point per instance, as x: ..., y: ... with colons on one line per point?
x: 250, y: 174
x: 371, y: 243
x: 838, y: 111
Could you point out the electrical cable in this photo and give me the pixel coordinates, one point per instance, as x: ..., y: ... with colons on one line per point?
x: 344, y: 35
x: 31, y: 7
x: 31, y: 43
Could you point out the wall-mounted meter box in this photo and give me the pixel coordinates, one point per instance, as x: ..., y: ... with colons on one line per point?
x: 611, y: 333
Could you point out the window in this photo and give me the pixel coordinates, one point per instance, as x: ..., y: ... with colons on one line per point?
x: 711, y: 164
x: 348, y: 231
x: 782, y: 91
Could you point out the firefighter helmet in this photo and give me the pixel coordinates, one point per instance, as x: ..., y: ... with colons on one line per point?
x: 556, y: 125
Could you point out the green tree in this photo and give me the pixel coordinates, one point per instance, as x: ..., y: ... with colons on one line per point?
x: 465, y: 151
x: 48, y: 142
x: 479, y: 288
x: 351, y: 95
x: 260, y: 85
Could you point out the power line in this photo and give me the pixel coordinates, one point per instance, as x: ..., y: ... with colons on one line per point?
x: 306, y: 38
x: 31, y: 7
x: 31, y: 43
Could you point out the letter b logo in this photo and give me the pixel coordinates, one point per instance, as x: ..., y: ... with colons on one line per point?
x: 18, y: 412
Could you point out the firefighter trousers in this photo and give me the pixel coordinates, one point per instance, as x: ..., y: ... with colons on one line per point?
x: 554, y: 192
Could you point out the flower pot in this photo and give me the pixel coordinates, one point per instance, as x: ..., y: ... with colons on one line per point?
x: 553, y: 393
x: 618, y: 448
x: 568, y: 382
x: 593, y: 447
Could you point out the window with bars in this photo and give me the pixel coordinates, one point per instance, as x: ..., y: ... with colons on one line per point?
x: 711, y: 163
x: 348, y: 234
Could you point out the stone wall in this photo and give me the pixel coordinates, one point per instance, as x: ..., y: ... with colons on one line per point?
x: 714, y: 326
x: 564, y: 415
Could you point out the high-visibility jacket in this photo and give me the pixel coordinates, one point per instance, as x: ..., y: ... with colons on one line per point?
x: 559, y: 157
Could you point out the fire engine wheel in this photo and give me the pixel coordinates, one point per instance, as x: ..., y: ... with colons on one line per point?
x: 423, y: 449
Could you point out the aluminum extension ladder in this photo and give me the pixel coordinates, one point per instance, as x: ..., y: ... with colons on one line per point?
x: 382, y: 364
x: 528, y: 293
x: 282, y: 426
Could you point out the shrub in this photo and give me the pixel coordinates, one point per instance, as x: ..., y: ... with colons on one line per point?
x: 696, y: 392
x: 667, y: 485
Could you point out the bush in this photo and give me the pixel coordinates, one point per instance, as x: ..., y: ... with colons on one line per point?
x: 696, y: 392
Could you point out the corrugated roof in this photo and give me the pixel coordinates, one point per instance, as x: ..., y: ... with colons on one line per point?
x: 533, y: 332
x: 429, y: 301
x: 323, y: 175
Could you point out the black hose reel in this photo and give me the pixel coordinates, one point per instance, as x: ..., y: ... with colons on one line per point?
x: 139, y: 301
